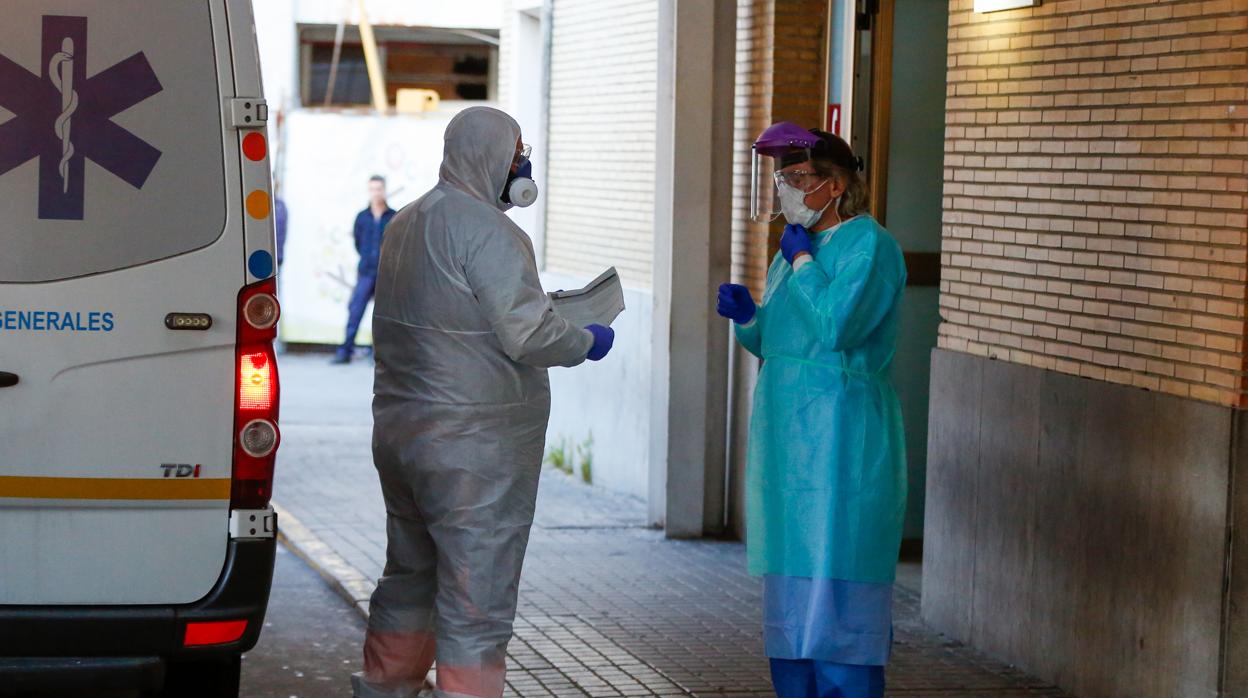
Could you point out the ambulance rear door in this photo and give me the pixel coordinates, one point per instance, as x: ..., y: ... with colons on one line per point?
x: 122, y: 255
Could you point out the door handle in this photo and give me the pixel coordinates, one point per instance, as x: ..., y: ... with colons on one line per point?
x: 7, y: 380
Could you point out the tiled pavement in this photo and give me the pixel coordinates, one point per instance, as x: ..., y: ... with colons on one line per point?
x: 607, y: 606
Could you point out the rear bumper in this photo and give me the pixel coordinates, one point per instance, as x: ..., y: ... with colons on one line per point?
x: 83, y: 640
x: 88, y: 675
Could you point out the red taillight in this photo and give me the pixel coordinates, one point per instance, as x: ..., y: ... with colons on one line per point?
x: 256, y: 397
x: 214, y: 632
x: 255, y: 382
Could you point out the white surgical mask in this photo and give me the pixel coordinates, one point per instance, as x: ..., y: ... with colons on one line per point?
x: 793, y: 205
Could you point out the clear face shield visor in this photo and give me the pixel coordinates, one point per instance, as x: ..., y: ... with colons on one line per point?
x: 768, y: 174
x: 764, y: 192
x: 781, y: 142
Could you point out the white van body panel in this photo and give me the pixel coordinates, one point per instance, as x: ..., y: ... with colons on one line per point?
x: 145, y: 409
x: 116, y: 445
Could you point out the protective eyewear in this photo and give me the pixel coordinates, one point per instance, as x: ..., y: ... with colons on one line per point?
x: 523, y: 153
x: 798, y: 179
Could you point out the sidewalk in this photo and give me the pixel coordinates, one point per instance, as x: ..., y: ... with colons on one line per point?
x: 607, y: 606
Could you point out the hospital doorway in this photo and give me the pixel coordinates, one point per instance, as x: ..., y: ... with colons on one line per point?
x: 887, y: 70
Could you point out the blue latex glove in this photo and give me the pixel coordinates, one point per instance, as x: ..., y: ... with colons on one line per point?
x: 796, y: 239
x: 736, y: 304
x: 604, y: 339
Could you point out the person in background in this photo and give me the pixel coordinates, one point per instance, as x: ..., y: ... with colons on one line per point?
x: 280, y: 216
x: 826, y: 473
x: 370, y: 225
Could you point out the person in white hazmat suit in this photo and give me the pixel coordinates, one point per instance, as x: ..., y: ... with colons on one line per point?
x: 463, y: 335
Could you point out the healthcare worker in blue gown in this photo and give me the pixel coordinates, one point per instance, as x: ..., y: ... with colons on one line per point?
x: 826, y: 476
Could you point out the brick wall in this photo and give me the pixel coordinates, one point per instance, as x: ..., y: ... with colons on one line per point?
x: 751, y: 114
x: 1094, y: 218
x: 780, y: 77
x: 600, y: 205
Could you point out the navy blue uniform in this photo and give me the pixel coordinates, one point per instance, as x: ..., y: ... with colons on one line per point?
x: 368, y: 233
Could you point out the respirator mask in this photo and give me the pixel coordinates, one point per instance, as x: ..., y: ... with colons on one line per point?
x: 793, y: 204
x: 520, y: 189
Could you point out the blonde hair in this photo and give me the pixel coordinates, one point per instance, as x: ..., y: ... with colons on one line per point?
x: 857, y: 197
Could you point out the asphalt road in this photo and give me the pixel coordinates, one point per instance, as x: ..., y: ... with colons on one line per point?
x: 308, y: 649
x: 311, y: 640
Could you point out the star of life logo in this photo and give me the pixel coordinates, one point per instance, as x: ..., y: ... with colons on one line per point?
x: 63, y: 118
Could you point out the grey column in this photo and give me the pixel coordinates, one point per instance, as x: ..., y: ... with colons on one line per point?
x: 693, y: 224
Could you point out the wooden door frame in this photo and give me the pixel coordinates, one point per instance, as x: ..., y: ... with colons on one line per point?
x: 881, y: 107
x: 923, y: 267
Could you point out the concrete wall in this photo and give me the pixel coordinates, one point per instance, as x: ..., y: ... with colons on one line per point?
x: 522, y: 94
x: 609, y: 400
x: 1078, y: 528
x: 591, y: 122
x: 1235, y: 632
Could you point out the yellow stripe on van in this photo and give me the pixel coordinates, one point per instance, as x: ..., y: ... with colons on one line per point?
x: 13, y: 487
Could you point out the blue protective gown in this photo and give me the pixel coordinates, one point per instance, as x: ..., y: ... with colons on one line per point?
x: 804, y: 678
x: 827, y: 619
x: 826, y: 475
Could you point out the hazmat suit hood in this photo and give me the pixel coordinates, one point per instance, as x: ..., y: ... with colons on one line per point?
x: 480, y: 144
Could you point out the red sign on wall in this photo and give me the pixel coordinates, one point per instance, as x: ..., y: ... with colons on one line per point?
x: 834, y: 119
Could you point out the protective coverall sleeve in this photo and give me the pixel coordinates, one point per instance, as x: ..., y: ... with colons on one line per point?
x: 357, y: 231
x: 844, y: 310
x: 504, y: 280
x: 750, y: 335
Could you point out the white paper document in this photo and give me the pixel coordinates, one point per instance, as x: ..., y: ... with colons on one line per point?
x: 599, y: 303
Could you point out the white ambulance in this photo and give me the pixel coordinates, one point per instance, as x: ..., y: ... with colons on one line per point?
x: 138, y: 389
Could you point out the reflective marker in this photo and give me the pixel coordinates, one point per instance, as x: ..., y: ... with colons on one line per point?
x: 254, y: 146
x: 260, y: 264
x: 214, y: 632
x: 258, y: 204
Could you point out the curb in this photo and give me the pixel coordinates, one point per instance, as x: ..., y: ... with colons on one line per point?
x: 348, y: 582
